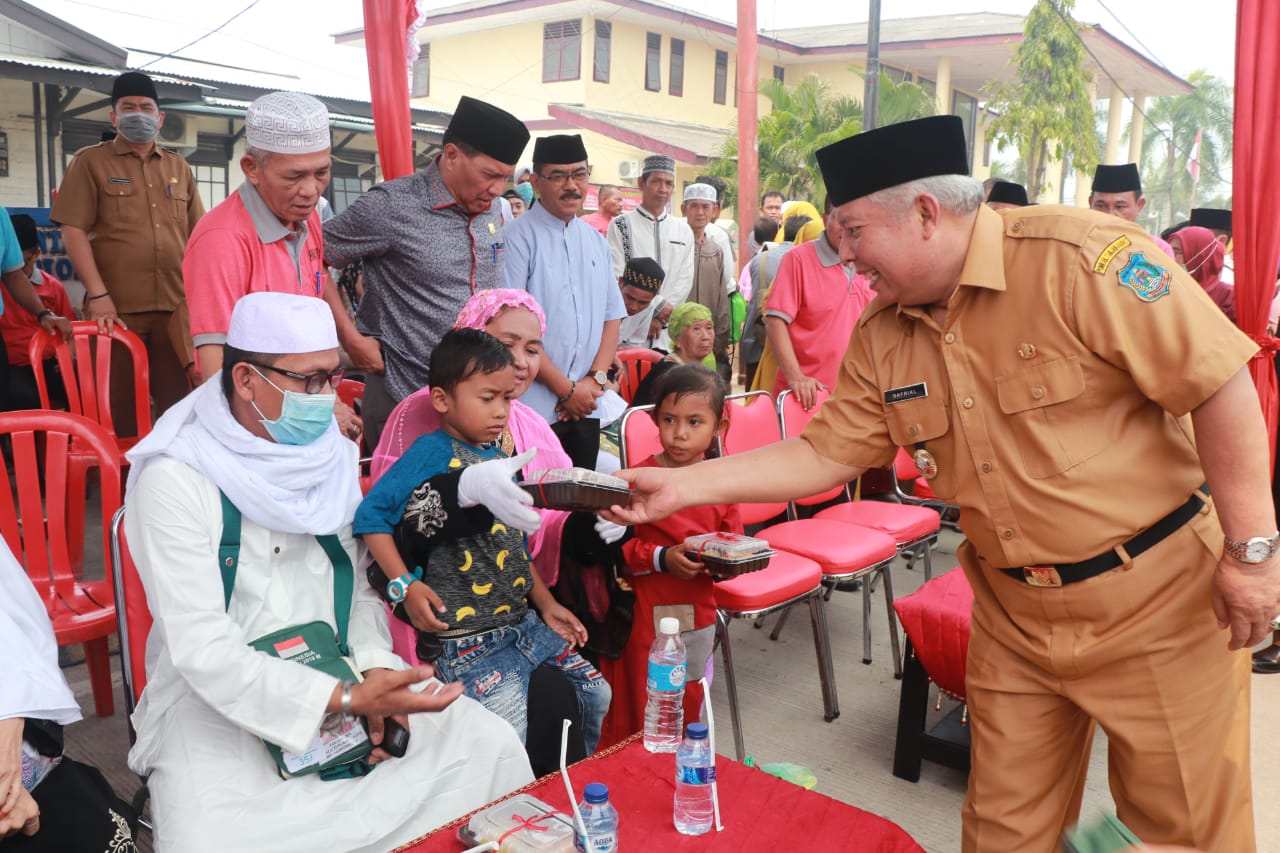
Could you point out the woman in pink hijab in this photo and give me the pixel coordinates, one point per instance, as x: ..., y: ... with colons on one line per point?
x: 1202, y: 255
x: 515, y: 318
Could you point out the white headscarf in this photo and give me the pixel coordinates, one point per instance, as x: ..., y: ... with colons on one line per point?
x: 309, y: 488
x: 33, y: 684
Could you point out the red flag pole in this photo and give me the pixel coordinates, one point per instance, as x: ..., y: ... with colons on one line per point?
x: 748, y: 119
x: 386, y: 51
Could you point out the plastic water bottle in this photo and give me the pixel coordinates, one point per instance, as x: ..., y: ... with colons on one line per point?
x: 601, y: 820
x: 664, y: 712
x: 695, y: 771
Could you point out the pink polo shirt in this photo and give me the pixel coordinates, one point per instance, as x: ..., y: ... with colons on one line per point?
x: 820, y: 299
x: 240, y: 247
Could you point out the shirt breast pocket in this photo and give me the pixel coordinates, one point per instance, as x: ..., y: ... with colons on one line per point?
x: 178, y: 205
x: 122, y: 201
x: 1044, y: 407
x: 926, y: 422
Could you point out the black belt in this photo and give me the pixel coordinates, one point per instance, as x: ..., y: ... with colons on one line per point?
x: 1069, y: 573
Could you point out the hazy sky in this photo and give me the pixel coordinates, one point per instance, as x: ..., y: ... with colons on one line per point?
x: 285, y: 35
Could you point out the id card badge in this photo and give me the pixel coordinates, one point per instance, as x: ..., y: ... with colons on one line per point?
x: 338, y: 735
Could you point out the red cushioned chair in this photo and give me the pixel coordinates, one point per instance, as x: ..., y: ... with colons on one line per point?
x: 38, y: 526
x: 936, y: 619
x: 636, y: 363
x: 845, y: 551
x: 914, y: 529
x: 638, y: 434
x: 788, y: 579
x: 351, y: 393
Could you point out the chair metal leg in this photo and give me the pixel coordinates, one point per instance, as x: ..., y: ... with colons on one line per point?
x: 731, y: 684
x: 893, y: 619
x: 928, y: 558
x: 782, y: 620
x: 826, y: 663
x: 866, y: 622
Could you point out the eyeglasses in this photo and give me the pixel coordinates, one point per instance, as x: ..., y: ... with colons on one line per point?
x: 313, y: 383
x: 559, y: 176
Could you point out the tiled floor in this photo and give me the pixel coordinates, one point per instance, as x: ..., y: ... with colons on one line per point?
x: 782, y: 719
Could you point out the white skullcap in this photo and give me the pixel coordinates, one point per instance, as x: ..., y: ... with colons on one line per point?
x: 281, y: 323
x: 700, y: 192
x: 287, y: 123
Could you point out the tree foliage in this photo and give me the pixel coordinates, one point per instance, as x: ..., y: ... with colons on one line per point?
x: 1046, y: 112
x: 806, y: 117
x: 1169, y: 136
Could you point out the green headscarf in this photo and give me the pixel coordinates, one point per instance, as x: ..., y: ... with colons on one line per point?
x: 685, y: 315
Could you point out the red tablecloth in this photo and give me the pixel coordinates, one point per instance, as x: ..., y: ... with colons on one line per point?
x: 759, y: 812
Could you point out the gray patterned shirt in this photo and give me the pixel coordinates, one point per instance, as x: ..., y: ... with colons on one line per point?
x: 424, y: 256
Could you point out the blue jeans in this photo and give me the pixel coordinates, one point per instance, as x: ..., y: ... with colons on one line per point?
x: 494, y: 668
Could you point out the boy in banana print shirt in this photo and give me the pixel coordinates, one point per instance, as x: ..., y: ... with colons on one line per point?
x: 460, y: 576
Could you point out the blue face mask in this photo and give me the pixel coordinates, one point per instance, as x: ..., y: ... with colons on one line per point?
x: 303, y: 417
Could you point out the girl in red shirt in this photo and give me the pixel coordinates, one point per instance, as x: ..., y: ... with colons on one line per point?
x: 690, y: 416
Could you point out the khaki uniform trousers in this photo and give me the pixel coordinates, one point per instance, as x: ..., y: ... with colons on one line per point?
x: 1136, y: 650
x: 167, y: 337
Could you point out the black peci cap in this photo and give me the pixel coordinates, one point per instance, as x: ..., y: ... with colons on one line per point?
x: 1009, y: 193
x: 1117, y: 179
x: 133, y: 84
x: 1213, y: 218
x: 560, y: 149
x: 488, y: 129
x: 644, y: 273
x: 895, y: 154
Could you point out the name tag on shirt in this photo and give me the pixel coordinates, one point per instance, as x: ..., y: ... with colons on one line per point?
x: 906, y: 392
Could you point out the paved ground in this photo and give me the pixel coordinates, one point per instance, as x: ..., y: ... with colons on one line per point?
x: 782, y: 719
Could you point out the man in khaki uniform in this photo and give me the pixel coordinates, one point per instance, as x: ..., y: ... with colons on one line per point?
x: 1046, y: 366
x: 126, y: 208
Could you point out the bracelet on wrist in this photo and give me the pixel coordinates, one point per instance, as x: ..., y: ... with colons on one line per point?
x: 573, y: 386
x: 44, y: 313
x: 103, y: 295
x: 345, y: 700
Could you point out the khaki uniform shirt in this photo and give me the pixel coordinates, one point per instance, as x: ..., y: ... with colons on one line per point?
x: 1055, y: 397
x: 138, y: 215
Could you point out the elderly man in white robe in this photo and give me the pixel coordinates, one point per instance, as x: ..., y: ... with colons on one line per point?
x: 263, y: 435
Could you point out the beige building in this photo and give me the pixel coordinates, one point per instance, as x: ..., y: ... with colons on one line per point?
x: 638, y: 78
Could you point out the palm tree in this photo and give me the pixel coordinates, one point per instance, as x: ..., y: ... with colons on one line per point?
x: 1169, y: 137
x: 806, y: 117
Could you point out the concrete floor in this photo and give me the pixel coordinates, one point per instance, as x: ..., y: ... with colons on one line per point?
x: 782, y: 720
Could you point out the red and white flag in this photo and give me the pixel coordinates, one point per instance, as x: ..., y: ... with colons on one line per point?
x: 1193, y: 158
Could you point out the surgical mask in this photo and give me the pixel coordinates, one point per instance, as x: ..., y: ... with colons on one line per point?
x: 303, y: 417
x: 138, y: 128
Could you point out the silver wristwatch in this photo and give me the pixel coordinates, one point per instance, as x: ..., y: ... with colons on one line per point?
x: 1259, y: 549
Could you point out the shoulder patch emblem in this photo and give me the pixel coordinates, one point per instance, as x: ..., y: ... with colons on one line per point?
x: 1114, y: 248
x: 1148, y: 281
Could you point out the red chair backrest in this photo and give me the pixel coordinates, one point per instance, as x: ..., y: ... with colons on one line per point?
x: 85, y: 365
x: 133, y: 616
x: 753, y: 423
x: 903, y: 466
x: 792, y: 418
x: 35, y: 502
x: 351, y: 392
x: 636, y: 364
x: 638, y: 435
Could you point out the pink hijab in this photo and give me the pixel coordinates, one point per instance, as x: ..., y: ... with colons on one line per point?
x: 1204, y: 256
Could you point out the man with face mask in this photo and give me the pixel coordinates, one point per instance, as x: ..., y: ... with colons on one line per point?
x: 428, y: 241
x: 140, y: 202
x: 256, y: 450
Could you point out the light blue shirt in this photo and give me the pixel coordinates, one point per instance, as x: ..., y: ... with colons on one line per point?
x: 11, y: 252
x: 566, y: 267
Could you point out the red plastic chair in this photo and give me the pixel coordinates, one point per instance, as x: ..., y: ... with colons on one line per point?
x: 38, y: 527
x: 636, y: 364
x: 133, y: 616
x: 638, y: 436
x: 846, y: 552
x: 85, y: 365
x: 351, y: 393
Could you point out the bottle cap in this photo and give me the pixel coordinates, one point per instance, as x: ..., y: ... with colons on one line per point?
x: 669, y: 625
x: 696, y: 731
x: 596, y: 793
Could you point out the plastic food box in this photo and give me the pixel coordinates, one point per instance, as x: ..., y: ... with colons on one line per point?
x: 576, y: 489
x: 524, y: 824
x: 727, y: 555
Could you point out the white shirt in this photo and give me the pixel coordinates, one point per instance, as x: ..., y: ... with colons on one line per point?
x: 667, y: 240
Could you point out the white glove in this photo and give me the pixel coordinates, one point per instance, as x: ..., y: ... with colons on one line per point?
x: 609, y: 531
x: 490, y: 484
